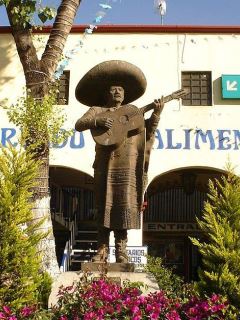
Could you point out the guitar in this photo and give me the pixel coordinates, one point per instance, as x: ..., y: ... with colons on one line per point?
x: 126, y: 119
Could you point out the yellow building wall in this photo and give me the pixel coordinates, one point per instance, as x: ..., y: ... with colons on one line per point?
x: 162, y: 58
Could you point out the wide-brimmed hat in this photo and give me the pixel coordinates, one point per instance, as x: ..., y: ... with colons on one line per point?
x: 94, y: 85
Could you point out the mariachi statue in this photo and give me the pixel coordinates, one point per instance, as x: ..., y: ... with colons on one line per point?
x: 123, y: 144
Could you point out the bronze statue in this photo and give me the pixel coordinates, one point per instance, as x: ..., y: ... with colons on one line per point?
x: 123, y: 144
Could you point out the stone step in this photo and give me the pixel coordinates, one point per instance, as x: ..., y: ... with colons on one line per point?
x: 82, y: 256
x: 87, y: 231
x: 76, y: 251
x: 87, y: 245
x: 86, y: 236
x: 91, y: 226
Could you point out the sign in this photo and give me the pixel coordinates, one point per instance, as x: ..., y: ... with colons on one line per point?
x: 170, y: 226
x: 231, y: 86
x: 136, y: 255
x: 165, y: 139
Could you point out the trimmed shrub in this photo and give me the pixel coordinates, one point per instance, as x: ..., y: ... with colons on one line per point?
x: 20, y: 276
x: 220, y: 251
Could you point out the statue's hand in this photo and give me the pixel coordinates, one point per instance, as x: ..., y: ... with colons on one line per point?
x: 104, y: 122
x: 159, y: 104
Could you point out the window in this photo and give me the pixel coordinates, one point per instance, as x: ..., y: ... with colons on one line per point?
x: 200, y: 86
x: 63, y: 94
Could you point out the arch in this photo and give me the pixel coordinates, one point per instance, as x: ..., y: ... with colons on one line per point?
x: 174, y: 200
x: 71, y: 193
x: 179, y: 195
x: 71, y: 202
x: 174, y: 177
x: 67, y: 176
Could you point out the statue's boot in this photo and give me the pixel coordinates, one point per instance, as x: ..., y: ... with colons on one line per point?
x: 103, y: 245
x: 121, y: 246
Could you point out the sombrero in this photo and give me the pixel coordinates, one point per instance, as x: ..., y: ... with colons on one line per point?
x: 97, y: 81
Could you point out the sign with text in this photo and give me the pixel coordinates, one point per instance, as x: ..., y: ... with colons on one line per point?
x: 221, y: 139
x: 136, y: 255
x: 170, y: 226
x: 231, y: 86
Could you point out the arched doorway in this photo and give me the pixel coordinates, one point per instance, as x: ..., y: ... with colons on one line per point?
x: 71, y: 193
x: 174, y: 200
x: 72, y: 208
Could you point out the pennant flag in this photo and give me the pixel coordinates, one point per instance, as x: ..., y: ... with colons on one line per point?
x: 98, y: 19
x: 105, y: 6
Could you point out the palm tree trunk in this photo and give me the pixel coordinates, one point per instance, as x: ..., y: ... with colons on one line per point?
x: 59, y: 33
x: 38, y: 75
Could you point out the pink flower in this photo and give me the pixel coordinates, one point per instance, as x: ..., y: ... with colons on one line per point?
x: 149, y: 307
x: 89, y: 316
x: 2, y: 315
x: 27, y: 311
x: 136, y: 318
x: 217, y: 308
x: 205, y: 306
x: 173, y: 315
x: 7, y: 310
x: 215, y: 298
x: 135, y: 309
x: 141, y: 299
x: 154, y: 315
x: 192, y: 311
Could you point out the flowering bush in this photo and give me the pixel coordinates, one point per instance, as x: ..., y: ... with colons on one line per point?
x: 27, y: 312
x: 205, y: 309
x: 99, y: 300
x: 24, y: 313
x: 105, y: 300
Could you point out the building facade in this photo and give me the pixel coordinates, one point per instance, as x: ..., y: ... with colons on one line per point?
x: 197, y: 135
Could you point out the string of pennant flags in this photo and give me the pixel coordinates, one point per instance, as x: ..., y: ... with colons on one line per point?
x: 126, y: 47
x: 99, y: 16
x: 88, y: 31
x: 80, y: 44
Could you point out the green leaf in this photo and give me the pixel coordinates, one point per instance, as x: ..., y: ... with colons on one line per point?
x: 46, y: 13
x: 42, y: 16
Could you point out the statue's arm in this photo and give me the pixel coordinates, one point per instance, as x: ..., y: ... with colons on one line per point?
x: 152, y: 122
x: 87, y: 121
x: 151, y: 125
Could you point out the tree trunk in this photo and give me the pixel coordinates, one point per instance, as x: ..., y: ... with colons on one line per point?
x: 59, y: 33
x: 38, y: 75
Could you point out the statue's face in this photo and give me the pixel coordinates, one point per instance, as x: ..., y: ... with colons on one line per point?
x: 116, y: 94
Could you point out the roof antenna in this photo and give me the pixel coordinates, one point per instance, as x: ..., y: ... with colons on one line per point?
x: 161, y: 8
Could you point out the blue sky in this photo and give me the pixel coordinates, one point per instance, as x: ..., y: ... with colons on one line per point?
x: 179, y: 12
